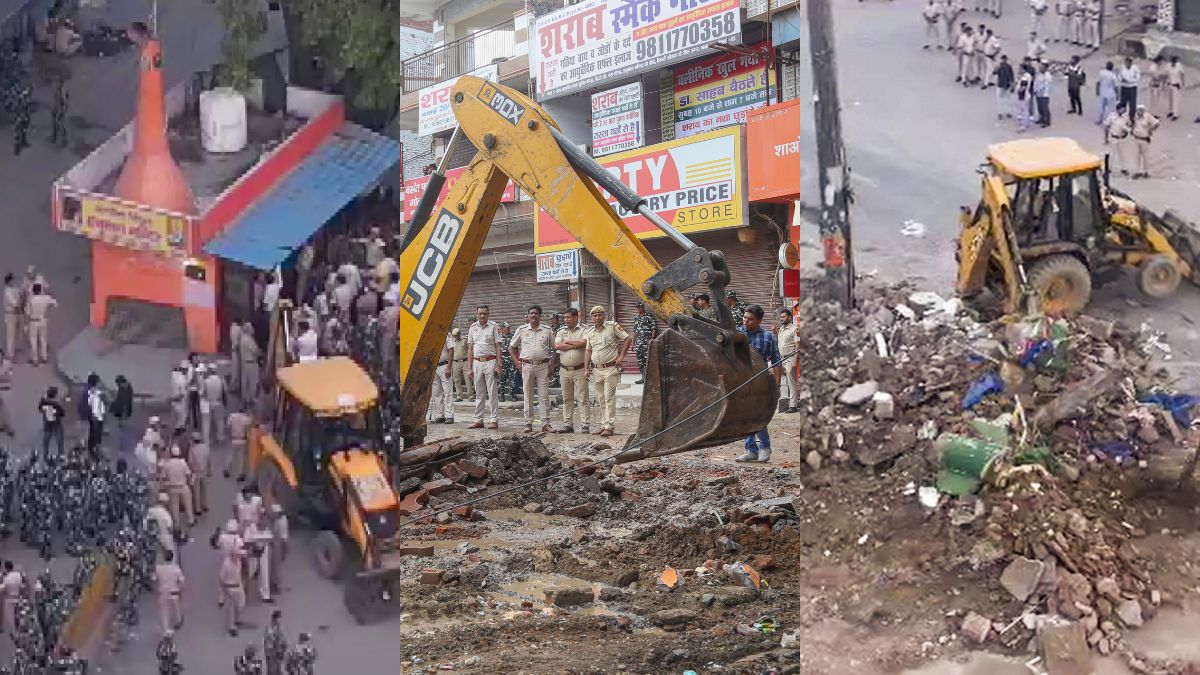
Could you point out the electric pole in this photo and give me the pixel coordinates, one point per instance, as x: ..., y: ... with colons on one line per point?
x: 833, y: 174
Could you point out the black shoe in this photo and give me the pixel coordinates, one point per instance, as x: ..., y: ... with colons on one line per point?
x: 639, y: 381
x: 440, y: 420
x: 233, y: 632
x: 792, y: 410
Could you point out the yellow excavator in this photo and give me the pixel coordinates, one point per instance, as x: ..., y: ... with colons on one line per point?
x: 1049, y: 226
x: 705, y: 386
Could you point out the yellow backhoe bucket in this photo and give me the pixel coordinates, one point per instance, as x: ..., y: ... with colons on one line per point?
x: 699, y: 394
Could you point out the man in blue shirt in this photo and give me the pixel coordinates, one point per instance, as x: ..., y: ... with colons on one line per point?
x: 758, y: 445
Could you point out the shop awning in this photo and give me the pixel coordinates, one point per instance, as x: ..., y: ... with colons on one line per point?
x: 340, y: 169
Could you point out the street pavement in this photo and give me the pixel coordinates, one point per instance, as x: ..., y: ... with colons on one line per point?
x: 914, y: 139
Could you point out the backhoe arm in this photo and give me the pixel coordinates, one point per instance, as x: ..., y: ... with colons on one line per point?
x: 518, y: 140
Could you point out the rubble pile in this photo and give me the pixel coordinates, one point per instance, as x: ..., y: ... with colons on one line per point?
x: 1018, y: 412
x: 450, y: 470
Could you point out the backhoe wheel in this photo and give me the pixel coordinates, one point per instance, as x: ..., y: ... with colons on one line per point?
x: 1158, y: 276
x: 329, y: 555
x: 1062, y: 284
x: 275, y: 489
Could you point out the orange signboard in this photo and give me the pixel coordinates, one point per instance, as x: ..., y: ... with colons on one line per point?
x: 773, y: 151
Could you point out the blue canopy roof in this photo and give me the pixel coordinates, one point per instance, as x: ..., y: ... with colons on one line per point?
x: 340, y: 169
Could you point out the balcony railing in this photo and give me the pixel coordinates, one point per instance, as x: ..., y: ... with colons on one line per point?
x: 456, y: 58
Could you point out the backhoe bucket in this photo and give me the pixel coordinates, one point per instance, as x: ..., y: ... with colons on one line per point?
x: 1184, y: 236
x: 372, y: 596
x: 699, y: 393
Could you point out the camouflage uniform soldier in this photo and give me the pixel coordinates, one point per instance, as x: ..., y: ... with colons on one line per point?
x: 58, y: 115
x: 302, y: 659
x: 644, y: 329
x: 24, y: 113
x: 275, y: 646
x: 736, y: 306
x: 248, y: 663
x: 168, y: 655
x: 508, y: 370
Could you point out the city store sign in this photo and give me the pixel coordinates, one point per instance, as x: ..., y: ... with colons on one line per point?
x: 696, y: 184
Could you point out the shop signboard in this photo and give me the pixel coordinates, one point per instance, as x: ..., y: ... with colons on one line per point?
x: 720, y: 90
x: 557, y: 266
x: 617, y: 120
x: 415, y: 187
x: 598, y: 41
x: 695, y: 184
x: 121, y: 223
x: 434, y: 113
x: 773, y: 151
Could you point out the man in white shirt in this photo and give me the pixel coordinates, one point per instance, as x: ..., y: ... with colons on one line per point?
x: 271, y: 292
x: 213, y: 391
x: 1128, y: 77
x: 163, y: 522
x: 307, y: 343
x: 483, y: 348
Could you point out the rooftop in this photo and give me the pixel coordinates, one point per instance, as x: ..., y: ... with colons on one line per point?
x: 1037, y: 157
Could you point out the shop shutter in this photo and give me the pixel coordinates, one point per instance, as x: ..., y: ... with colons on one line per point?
x: 508, y: 289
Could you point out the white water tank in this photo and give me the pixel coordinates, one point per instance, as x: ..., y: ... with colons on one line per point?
x: 222, y: 120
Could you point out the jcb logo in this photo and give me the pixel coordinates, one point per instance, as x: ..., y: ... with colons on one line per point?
x: 508, y: 108
x: 432, y: 264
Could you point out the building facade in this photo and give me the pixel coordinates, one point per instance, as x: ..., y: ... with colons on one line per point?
x: 666, y: 111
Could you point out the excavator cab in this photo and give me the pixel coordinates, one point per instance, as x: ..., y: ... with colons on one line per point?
x: 320, y: 458
x: 1049, y: 227
x: 705, y: 386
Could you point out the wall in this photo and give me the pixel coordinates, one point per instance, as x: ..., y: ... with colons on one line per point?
x: 124, y: 273
x: 416, y: 152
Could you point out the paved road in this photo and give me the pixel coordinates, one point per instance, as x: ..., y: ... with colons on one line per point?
x: 914, y: 139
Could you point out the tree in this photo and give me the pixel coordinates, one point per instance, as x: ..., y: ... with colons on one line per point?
x: 244, y: 24
x: 355, y: 42
x: 343, y: 46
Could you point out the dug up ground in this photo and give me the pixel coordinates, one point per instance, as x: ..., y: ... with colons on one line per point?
x: 842, y: 555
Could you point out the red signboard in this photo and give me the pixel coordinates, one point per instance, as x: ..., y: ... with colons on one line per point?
x: 415, y: 187
x: 773, y: 154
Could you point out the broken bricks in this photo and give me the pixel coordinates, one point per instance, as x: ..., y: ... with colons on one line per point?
x: 1021, y: 577
x: 976, y: 628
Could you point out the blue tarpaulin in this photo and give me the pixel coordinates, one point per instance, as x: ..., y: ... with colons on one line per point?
x: 340, y: 169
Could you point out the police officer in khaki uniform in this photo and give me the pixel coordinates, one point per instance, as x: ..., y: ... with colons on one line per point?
x: 177, y: 478
x: 1143, y: 128
x: 441, y: 402
x: 1175, y: 84
x: 37, y: 309
x: 169, y: 582
x: 464, y: 384
x: 1116, y: 132
x: 483, y: 350
x: 13, y: 309
x: 607, y: 344
x: 232, y: 596
x: 1064, y: 10
x: 200, y: 462
x: 966, y: 56
x: 571, y: 344
x: 531, y: 347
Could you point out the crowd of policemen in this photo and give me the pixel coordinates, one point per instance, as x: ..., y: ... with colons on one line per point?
x: 16, y: 99
x: 583, y: 361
